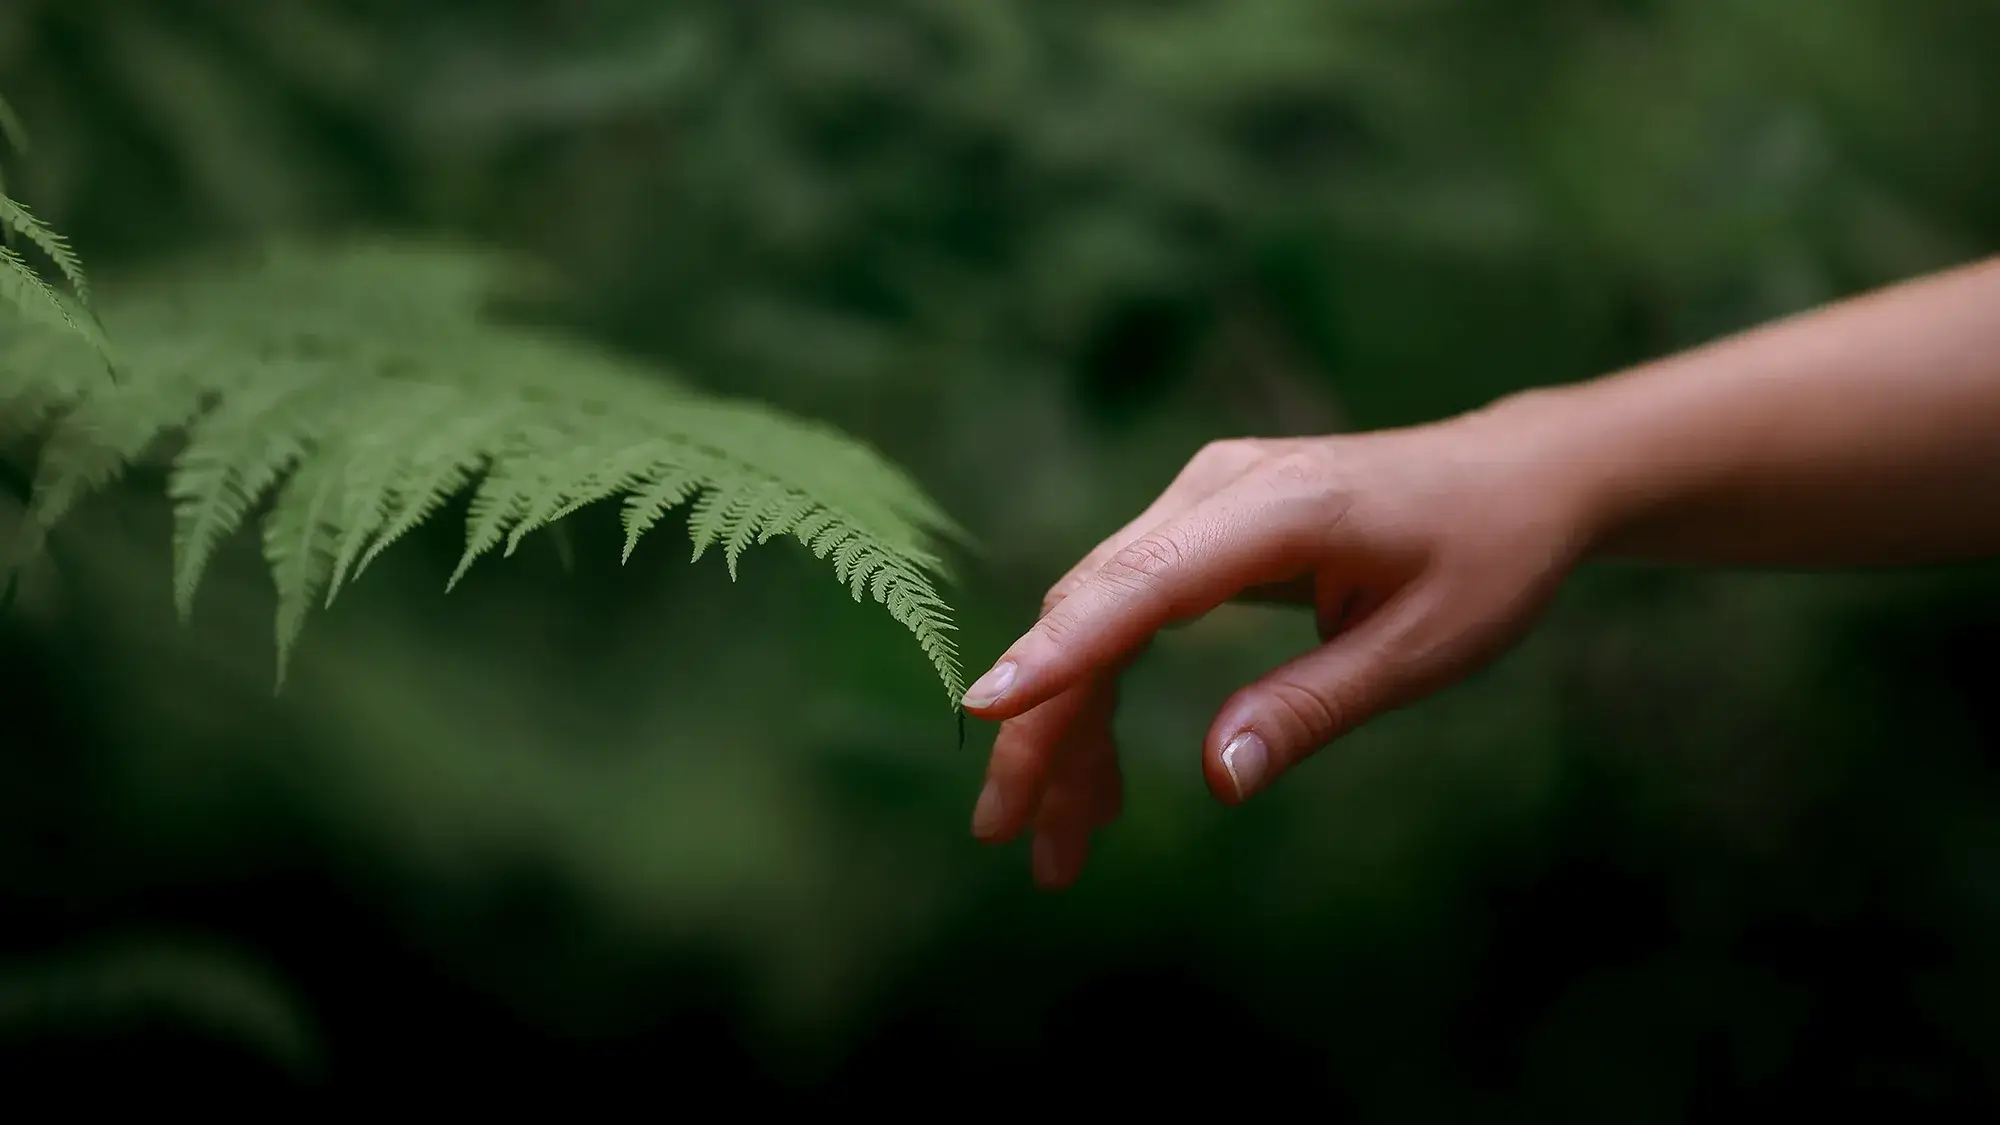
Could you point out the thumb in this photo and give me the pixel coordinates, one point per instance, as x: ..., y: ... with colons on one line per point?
x: 1403, y: 651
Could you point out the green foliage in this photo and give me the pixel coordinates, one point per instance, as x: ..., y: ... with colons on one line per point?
x: 1122, y: 196
x: 95, y: 991
x: 363, y: 387
x: 1050, y: 247
x: 20, y: 286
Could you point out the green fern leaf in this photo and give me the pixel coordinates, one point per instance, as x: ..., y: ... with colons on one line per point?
x: 381, y: 433
x: 560, y: 481
x: 671, y: 486
x: 497, y: 505
x: 709, y: 520
x: 362, y: 388
x: 96, y: 435
x: 591, y: 479
x: 235, y: 454
x: 34, y: 384
x: 418, y: 482
x: 299, y: 543
x: 16, y: 218
x: 23, y: 288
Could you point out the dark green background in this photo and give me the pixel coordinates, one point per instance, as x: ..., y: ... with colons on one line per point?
x: 1708, y: 844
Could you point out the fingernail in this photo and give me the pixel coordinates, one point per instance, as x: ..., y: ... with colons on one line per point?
x: 987, y: 813
x: 1246, y: 758
x: 991, y: 686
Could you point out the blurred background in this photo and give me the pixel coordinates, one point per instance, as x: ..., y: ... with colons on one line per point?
x: 1708, y: 844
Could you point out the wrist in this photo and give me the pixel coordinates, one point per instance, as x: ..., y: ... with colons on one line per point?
x: 1564, y: 447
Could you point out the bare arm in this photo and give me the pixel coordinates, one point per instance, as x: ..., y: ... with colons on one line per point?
x: 1866, y: 432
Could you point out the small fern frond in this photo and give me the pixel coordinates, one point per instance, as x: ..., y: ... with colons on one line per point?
x: 24, y: 289
x: 358, y: 390
x: 15, y: 217
x: 670, y: 486
x: 98, y: 431
x: 597, y: 482
x: 497, y: 505
x: 235, y: 454
x: 560, y: 481
x: 21, y: 286
x: 299, y: 543
x: 424, y: 478
x: 380, y: 432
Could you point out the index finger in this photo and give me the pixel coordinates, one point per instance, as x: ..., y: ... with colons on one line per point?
x: 1217, y: 466
x: 1244, y: 536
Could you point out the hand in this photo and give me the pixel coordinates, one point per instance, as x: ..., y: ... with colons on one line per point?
x: 1423, y: 552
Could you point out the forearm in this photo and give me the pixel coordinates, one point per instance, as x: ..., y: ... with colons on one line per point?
x: 1867, y: 432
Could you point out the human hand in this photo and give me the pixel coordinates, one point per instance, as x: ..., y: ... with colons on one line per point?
x: 1423, y: 552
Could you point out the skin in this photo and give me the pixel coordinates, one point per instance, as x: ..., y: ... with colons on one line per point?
x: 1864, y: 433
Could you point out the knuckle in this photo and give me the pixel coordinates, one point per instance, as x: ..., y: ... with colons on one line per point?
x: 1293, y: 469
x: 1225, y: 455
x: 1216, y: 453
x: 1058, y: 593
x: 1063, y: 806
x: 1315, y: 715
x: 1017, y: 755
x: 1142, y: 564
x: 1058, y: 627
x: 1407, y: 662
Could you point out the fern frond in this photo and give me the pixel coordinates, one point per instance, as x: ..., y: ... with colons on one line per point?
x: 23, y: 288
x: 235, y: 454
x: 670, y: 486
x: 98, y: 431
x: 598, y: 480
x: 299, y: 543
x: 381, y: 502
x: 20, y: 285
x: 359, y: 389
x: 420, y: 473
x: 16, y: 217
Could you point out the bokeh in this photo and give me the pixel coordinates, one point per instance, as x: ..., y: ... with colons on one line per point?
x: 1707, y: 844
